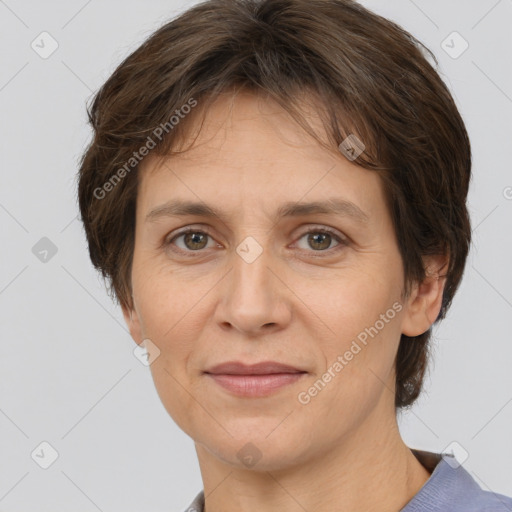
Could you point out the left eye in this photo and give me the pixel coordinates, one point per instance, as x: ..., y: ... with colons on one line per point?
x: 321, y: 239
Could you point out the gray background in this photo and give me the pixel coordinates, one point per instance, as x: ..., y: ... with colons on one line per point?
x: 68, y: 375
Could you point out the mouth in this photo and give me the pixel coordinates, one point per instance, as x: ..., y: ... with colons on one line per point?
x: 256, y: 380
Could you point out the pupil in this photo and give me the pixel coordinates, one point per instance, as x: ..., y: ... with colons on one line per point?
x: 319, y: 238
x: 195, y: 239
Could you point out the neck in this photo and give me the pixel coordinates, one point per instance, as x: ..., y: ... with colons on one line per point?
x: 368, y: 470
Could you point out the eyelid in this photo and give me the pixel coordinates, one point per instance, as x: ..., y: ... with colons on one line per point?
x: 326, y: 229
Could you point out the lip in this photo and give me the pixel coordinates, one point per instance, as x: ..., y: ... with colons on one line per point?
x: 262, y: 368
x: 255, y: 380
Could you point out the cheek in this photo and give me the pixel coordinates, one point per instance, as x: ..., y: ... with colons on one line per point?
x: 174, y: 391
x: 358, y: 335
x: 167, y: 298
x: 348, y: 301
x: 169, y: 319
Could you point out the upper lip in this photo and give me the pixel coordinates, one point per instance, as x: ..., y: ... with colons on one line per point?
x: 263, y: 368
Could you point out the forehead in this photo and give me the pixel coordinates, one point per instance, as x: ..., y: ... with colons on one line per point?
x: 249, y: 151
x: 241, y: 119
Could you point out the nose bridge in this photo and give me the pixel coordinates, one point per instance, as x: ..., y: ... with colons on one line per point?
x: 251, y: 275
x: 252, y: 298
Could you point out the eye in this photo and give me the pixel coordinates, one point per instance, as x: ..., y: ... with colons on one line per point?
x: 193, y: 240
x: 320, y: 239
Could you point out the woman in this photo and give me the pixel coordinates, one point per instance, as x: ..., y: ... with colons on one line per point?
x: 276, y: 192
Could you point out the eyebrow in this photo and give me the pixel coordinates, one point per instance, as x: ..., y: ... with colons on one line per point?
x: 330, y: 206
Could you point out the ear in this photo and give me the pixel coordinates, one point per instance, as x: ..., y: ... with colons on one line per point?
x: 132, y: 320
x: 424, y: 303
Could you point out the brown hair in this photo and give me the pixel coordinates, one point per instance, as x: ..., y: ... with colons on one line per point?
x: 366, y: 75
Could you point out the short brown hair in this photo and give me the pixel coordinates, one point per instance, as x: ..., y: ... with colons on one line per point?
x: 367, y: 76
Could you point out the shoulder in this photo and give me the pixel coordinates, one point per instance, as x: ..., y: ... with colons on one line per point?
x: 480, y: 500
x: 451, y: 487
x: 485, y: 501
x: 492, y: 502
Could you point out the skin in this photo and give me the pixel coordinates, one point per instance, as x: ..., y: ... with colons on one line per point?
x: 299, y: 303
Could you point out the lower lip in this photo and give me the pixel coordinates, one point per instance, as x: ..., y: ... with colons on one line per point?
x: 255, y: 385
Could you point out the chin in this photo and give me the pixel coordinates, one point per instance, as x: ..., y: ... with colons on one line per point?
x: 255, y: 457
x: 257, y: 450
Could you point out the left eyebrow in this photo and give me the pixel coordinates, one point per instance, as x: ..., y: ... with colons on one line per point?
x: 330, y: 206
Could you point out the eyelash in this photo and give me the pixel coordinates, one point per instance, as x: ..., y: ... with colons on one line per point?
x: 342, y: 241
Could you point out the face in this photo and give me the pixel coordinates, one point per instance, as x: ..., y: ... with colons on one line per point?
x: 259, y: 283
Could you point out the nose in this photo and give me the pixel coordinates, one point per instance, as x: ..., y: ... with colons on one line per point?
x: 254, y: 298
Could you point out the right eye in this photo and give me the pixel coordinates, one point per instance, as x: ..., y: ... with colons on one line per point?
x: 193, y: 239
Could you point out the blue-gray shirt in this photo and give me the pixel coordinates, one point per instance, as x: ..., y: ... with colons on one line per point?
x: 450, y: 488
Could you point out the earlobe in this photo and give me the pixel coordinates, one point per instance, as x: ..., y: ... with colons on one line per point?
x: 131, y: 318
x: 424, y: 303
